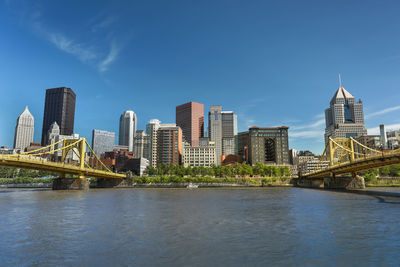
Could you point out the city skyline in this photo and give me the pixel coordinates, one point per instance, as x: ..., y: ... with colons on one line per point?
x: 278, y: 54
x: 371, y: 130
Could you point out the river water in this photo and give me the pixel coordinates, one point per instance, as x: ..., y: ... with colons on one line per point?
x: 200, y: 227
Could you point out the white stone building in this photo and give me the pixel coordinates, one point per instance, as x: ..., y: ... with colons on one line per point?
x: 202, y: 155
x: 24, y: 130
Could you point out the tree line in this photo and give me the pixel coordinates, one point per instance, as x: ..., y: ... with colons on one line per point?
x: 10, y: 172
x: 236, y: 170
x: 388, y: 171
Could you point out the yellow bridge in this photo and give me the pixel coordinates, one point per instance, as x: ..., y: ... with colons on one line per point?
x: 348, y: 156
x: 34, y: 160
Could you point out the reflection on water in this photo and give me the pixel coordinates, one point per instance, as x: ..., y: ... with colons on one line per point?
x: 228, y: 227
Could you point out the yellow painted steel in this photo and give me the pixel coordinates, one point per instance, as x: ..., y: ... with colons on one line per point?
x: 343, y: 158
x: 33, y: 161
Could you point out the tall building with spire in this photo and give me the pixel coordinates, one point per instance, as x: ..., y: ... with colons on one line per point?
x: 23, y: 136
x: 344, y: 118
x: 127, y: 129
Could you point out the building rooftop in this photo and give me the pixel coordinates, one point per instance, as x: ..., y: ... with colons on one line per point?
x: 269, y: 128
x: 342, y: 93
x: 26, y: 113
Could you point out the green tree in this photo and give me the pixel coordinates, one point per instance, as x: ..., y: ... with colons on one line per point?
x: 258, y: 169
x: 150, y: 170
x: 384, y: 171
x: 228, y: 171
x: 394, y: 170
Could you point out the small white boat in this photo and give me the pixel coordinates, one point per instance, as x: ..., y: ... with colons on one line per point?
x: 190, y: 185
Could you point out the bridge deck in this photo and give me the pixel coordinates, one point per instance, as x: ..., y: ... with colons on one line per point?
x: 41, y: 164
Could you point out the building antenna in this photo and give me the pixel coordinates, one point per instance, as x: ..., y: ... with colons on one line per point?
x: 340, y: 81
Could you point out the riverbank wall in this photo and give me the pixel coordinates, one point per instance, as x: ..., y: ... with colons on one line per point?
x: 253, y: 182
x: 383, y: 182
x: 131, y: 183
x: 30, y: 185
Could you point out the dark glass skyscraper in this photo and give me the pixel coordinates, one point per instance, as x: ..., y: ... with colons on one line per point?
x: 59, y: 107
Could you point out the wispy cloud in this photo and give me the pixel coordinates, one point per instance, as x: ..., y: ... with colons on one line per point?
x: 94, y: 53
x: 103, y: 23
x: 316, y: 124
x: 111, y: 57
x: 313, y: 130
x: 70, y: 46
x: 383, y: 111
x: 390, y: 127
x: 319, y: 134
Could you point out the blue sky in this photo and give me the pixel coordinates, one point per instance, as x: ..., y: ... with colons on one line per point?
x: 272, y: 62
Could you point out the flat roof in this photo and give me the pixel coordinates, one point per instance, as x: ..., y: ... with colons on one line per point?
x: 269, y: 128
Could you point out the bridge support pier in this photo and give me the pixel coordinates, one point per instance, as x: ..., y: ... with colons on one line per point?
x: 333, y: 182
x: 310, y: 183
x: 344, y: 182
x: 63, y: 183
x: 109, y: 183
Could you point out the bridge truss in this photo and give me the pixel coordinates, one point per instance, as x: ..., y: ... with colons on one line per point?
x: 47, y: 159
x: 347, y: 155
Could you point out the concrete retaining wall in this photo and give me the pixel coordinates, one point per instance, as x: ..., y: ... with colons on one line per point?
x: 35, y: 185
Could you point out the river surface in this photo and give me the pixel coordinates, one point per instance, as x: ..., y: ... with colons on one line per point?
x: 200, y: 227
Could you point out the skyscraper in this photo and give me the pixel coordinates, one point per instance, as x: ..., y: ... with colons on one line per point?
x: 151, y: 131
x: 127, y: 129
x: 215, y: 130
x: 222, y: 130
x: 102, y: 141
x: 142, y: 145
x: 382, y: 130
x: 190, y: 117
x: 344, y: 118
x: 169, y: 144
x: 229, y: 133
x: 24, y: 130
x: 59, y: 107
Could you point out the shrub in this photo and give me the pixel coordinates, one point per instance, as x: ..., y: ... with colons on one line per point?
x: 370, y: 177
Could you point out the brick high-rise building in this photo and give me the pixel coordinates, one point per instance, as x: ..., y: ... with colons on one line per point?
x: 190, y: 117
x: 169, y: 145
x: 267, y: 145
x: 59, y: 107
